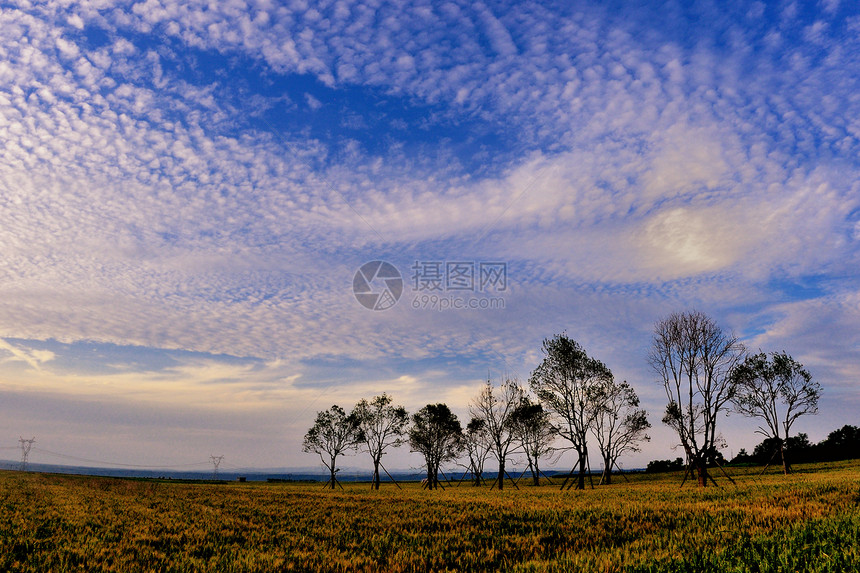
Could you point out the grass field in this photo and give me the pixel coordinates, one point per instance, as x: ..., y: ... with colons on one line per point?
x: 809, y: 521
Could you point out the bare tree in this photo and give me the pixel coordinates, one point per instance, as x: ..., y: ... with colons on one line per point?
x: 333, y: 433
x: 565, y: 382
x: 437, y: 435
x: 535, y: 433
x: 694, y: 359
x: 619, y: 425
x: 495, y: 407
x: 778, y: 391
x: 477, y: 445
x: 382, y: 426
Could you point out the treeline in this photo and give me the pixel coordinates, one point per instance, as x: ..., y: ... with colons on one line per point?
x: 841, y: 444
x: 572, y: 401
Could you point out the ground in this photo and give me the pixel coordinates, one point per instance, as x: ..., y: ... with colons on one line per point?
x: 808, y: 521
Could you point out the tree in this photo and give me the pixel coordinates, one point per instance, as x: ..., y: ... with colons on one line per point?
x: 743, y: 457
x: 694, y: 359
x: 798, y: 448
x: 495, y: 407
x: 534, y: 432
x: 333, y: 433
x: 777, y: 391
x: 659, y: 466
x: 477, y: 445
x: 382, y: 426
x: 565, y: 382
x: 619, y: 424
x: 437, y: 435
x: 841, y: 444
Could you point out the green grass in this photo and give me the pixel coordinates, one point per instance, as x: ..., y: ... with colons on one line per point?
x: 809, y: 521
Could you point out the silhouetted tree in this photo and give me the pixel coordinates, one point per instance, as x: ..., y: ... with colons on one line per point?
x: 619, y: 424
x: 743, y: 457
x: 333, y: 433
x: 437, y: 435
x: 798, y: 448
x: 476, y: 443
x: 694, y: 359
x: 565, y: 382
x: 535, y: 433
x: 658, y: 466
x: 495, y: 406
x: 777, y: 391
x: 841, y: 444
x: 382, y: 426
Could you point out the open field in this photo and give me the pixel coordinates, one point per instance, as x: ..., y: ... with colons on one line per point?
x: 809, y: 521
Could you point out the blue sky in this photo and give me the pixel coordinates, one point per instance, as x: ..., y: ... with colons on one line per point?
x: 187, y: 191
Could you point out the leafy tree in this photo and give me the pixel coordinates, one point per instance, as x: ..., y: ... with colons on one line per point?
x: 382, y: 426
x: 658, y: 466
x: 535, y: 433
x: 495, y: 406
x: 798, y: 448
x: 565, y: 382
x: 333, y: 433
x: 841, y: 444
x: 777, y: 391
x: 619, y: 424
x: 743, y: 457
x: 476, y: 442
x: 437, y: 435
x: 694, y: 359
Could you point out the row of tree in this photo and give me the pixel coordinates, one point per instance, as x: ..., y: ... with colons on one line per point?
x: 575, y: 398
x: 841, y: 444
x: 704, y: 371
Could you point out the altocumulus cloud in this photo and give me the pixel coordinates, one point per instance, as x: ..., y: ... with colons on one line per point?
x: 201, y: 181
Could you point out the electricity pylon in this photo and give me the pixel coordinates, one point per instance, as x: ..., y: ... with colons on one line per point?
x: 25, y: 451
x: 216, y: 461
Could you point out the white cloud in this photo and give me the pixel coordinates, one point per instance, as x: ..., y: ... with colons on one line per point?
x: 313, y: 102
x: 626, y: 170
x: 34, y: 358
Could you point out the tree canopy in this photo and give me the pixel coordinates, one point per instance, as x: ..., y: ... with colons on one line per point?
x: 437, y: 435
x: 334, y: 432
x: 777, y: 390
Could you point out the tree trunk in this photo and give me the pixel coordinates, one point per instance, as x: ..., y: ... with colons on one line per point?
x: 430, y: 476
x: 607, y: 470
x: 536, y: 473
x: 501, y: 474
x: 702, y: 472
x: 476, y: 474
x: 375, y: 475
x: 333, y: 481
x: 580, y: 482
x: 786, y: 468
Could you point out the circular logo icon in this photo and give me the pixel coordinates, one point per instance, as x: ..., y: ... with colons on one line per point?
x: 377, y: 285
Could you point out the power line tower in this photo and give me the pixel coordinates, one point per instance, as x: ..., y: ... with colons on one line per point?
x: 216, y: 461
x: 25, y: 451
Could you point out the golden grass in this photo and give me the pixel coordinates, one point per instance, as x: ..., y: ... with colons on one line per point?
x: 807, y: 521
